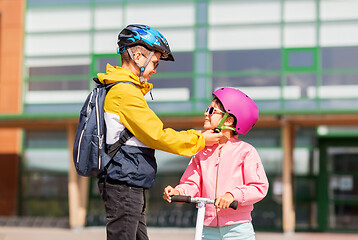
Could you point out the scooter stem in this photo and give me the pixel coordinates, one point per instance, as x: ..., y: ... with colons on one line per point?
x: 200, y: 220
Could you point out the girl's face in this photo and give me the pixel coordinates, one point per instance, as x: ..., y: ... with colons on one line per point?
x: 212, y: 120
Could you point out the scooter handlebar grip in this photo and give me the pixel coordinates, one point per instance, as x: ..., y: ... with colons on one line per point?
x: 233, y: 205
x: 180, y: 198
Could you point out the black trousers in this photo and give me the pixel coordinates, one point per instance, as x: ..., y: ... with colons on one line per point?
x: 125, y: 214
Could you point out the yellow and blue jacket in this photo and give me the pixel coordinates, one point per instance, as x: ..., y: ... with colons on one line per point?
x: 125, y: 107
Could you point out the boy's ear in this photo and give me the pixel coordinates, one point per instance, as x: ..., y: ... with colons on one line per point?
x: 136, y: 55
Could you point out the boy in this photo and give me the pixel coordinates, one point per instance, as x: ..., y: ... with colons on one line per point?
x: 134, y: 167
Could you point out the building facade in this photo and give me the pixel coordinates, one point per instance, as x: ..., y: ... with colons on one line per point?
x: 297, y: 59
x: 11, y: 57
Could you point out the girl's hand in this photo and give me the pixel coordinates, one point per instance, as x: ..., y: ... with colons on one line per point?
x: 224, y: 201
x: 168, y: 192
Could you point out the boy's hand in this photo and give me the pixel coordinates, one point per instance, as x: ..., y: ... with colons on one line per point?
x: 168, y: 192
x: 224, y: 201
x: 211, y: 138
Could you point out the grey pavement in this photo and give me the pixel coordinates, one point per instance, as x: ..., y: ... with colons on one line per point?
x: 98, y: 233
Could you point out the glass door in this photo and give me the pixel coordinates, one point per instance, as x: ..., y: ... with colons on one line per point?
x: 338, y: 185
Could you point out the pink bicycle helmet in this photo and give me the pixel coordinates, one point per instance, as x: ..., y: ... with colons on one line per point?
x: 239, y: 105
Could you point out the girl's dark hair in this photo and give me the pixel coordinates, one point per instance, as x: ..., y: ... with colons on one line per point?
x: 221, y: 107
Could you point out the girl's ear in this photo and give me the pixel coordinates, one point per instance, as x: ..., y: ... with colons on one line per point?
x: 229, y: 121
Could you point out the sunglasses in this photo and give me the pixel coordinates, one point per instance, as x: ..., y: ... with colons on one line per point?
x: 211, y: 110
x: 155, y: 64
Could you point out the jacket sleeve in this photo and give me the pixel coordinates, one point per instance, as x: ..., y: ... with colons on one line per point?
x: 190, y: 182
x: 255, y: 185
x: 128, y: 102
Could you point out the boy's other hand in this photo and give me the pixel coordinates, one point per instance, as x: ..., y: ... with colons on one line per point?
x: 168, y: 192
x: 211, y: 137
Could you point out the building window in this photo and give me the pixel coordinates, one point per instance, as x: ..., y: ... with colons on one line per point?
x: 300, y: 59
x: 44, y: 174
x: 247, y: 60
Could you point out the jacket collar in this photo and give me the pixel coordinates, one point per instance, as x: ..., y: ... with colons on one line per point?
x: 118, y: 74
x: 230, y: 141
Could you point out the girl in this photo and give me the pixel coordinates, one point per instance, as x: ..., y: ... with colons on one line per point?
x: 228, y: 171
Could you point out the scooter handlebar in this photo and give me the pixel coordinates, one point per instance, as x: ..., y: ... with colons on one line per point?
x: 234, y: 204
x: 181, y: 198
x: 188, y: 199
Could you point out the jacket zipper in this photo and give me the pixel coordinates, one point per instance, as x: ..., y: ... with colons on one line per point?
x: 216, y: 185
x: 88, y: 113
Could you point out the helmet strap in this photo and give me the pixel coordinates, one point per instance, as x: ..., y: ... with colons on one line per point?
x: 221, y: 127
x: 141, y: 68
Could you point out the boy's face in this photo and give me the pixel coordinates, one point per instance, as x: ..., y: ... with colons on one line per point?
x: 212, y: 120
x: 152, y: 65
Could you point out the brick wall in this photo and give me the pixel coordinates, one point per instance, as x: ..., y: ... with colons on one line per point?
x: 11, y: 59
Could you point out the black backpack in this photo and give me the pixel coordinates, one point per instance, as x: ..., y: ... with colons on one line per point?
x: 90, y: 154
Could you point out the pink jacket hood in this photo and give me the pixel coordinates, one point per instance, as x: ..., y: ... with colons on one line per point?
x: 234, y: 167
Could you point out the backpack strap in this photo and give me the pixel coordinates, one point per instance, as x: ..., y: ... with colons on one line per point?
x: 113, y: 149
x: 125, y: 134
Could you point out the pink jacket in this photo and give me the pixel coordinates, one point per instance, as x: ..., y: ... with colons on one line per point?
x: 236, y: 168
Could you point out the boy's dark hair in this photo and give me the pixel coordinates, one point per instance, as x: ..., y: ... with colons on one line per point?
x: 221, y: 107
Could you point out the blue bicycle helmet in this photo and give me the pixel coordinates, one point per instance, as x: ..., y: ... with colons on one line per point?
x: 136, y: 34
